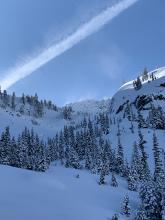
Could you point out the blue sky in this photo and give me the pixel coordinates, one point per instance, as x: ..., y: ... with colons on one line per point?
x: 95, y: 67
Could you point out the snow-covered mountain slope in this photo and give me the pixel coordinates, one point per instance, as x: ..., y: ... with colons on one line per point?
x: 58, y: 194
x: 128, y: 103
x: 51, y: 120
x: 91, y: 106
x: 45, y: 126
x: 149, y: 88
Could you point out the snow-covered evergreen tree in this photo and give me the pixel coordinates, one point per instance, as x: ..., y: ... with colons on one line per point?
x: 41, y: 162
x: 135, y: 169
x: 115, y: 217
x: 144, y: 169
x: 156, y: 118
x: 145, y: 74
x: 14, y: 154
x: 141, y: 121
x: 132, y: 180
x: 114, y: 181
x: 119, y: 158
x: 150, y: 196
x: 5, y: 147
x: 13, y: 101
x: 137, y: 83
x: 126, y: 210
x: 102, y: 176
x: 159, y: 172
x: 126, y: 169
x: 61, y: 152
x: 73, y: 158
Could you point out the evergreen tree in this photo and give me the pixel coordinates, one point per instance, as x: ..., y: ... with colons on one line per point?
x: 151, y: 207
x: 135, y: 162
x: 81, y: 141
x: 47, y: 155
x: 107, y: 124
x: 145, y: 74
x: 5, y: 147
x: 73, y: 155
x: 5, y: 98
x: 27, y: 152
x: 13, y: 101
x: 84, y: 124
x: 23, y: 99
x: 115, y: 217
x: 61, y: 148
x: 49, y: 105
x: 126, y: 207
x: 126, y: 169
x: 23, y: 148
x: 163, y: 158
x: 66, y: 144
x: 14, y: 154
x: 38, y: 109
x: 73, y: 158
x: 156, y: 118
x: 120, y: 158
x: 114, y: 181
x: 67, y: 111
x: 104, y: 161
x: 159, y: 172
x: 56, y: 150
x: 88, y: 152
x: 137, y: 83
x: 52, y: 146
x: 144, y: 169
x: 78, y: 145
x: 109, y: 158
x: 31, y: 150
x: 163, y: 200
x: 141, y: 121
x: 22, y: 109
x: 67, y: 156
x: 102, y: 122
x: 91, y: 149
x: 101, y: 155
x: 132, y: 180
x: 102, y: 176
x: 40, y: 162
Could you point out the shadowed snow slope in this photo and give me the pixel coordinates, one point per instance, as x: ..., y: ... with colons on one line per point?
x: 58, y: 194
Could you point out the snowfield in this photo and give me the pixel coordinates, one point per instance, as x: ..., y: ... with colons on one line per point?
x: 58, y: 194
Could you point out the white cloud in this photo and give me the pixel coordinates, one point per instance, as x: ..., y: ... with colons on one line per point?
x: 33, y: 63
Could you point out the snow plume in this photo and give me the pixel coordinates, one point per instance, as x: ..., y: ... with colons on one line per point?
x: 95, y: 24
